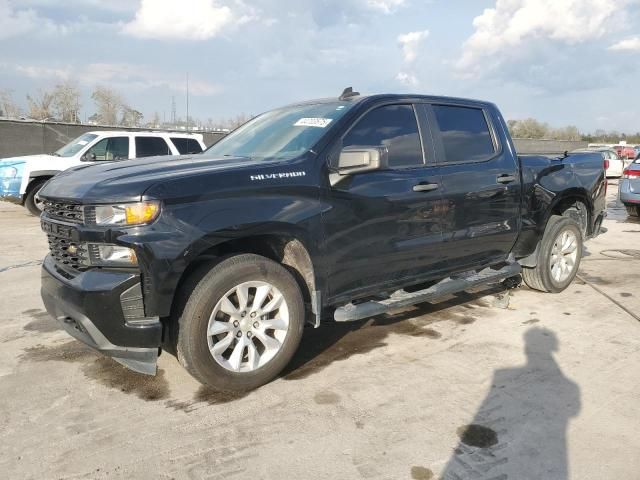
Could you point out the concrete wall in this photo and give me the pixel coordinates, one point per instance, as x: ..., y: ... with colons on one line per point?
x: 545, y: 147
x: 27, y: 138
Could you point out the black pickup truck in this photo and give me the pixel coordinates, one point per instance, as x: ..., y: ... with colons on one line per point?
x: 340, y: 208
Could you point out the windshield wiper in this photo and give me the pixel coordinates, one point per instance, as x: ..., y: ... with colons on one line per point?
x: 56, y: 154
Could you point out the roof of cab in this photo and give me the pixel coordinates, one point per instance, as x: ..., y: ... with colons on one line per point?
x: 397, y: 97
x: 144, y: 133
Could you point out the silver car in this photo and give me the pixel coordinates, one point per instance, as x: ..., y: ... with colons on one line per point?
x: 630, y: 188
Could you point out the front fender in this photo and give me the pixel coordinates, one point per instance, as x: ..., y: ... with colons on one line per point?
x: 184, y: 233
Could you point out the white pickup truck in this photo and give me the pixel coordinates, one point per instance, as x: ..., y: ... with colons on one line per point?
x: 21, y: 178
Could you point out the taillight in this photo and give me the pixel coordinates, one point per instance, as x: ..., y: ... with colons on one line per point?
x: 629, y: 173
x: 606, y: 164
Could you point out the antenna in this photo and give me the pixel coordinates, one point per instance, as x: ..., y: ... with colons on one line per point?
x: 348, y: 93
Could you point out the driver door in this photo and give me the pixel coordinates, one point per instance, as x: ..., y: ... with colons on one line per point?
x: 383, y: 225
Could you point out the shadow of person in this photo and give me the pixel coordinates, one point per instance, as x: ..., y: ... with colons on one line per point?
x: 520, y: 429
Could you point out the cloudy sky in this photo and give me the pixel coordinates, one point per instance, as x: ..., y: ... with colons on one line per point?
x: 560, y: 61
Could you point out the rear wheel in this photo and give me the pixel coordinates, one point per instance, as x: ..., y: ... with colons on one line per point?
x: 241, y: 324
x: 32, y: 202
x: 559, y: 256
x: 633, y: 210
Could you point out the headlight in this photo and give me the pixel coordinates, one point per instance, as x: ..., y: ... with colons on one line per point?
x: 8, y: 172
x: 104, y: 255
x: 127, y: 213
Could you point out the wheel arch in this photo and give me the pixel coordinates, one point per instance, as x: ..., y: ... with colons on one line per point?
x: 566, y: 200
x: 285, y: 246
x: 558, y: 206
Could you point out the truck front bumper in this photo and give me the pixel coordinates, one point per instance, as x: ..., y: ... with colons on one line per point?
x: 102, y: 309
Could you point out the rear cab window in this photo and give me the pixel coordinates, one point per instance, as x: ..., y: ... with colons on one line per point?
x: 391, y: 126
x: 465, y: 133
x: 151, y: 146
x: 186, y: 146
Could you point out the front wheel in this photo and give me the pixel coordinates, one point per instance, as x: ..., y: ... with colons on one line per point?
x: 241, y: 324
x: 32, y: 202
x: 559, y: 256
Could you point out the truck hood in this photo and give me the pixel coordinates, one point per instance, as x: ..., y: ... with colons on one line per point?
x: 126, y: 181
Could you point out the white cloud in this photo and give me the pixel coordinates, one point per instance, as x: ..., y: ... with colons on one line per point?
x: 502, y: 31
x: 629, y: 44
x: 17, y: 22
x: 179, y: 19
x: 385, y: 6
x: 407, y: 79
x: 410, y: 43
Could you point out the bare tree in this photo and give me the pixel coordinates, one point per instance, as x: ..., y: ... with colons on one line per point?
x: 108, y: 104
x: 66, y: 102
x: 40, y: 105
x: 130, y: 117
x: 529, y: 128
x: 8, y: 108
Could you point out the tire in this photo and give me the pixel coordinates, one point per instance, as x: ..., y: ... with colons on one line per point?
x: 633, y: 210
x: 544, y: 276
x: 202, y: 354
x: 30, y: 201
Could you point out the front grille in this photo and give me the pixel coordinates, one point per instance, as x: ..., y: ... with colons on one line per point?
x: 67, y: 253
x: 70, y: 212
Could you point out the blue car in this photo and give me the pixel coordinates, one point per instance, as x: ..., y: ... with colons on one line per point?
x: 630, y: 188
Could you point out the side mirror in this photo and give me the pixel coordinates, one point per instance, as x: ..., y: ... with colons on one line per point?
x: 362, y: 159
x: 89, y: 157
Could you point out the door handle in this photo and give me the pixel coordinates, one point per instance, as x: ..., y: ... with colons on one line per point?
x: 425, y: 187
x: 506, y: 179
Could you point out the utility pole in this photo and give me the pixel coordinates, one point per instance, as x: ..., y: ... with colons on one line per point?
x: 173, y: 111
x: 187, y: 101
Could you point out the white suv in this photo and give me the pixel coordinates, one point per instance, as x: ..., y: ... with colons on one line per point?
x: 22, y: 177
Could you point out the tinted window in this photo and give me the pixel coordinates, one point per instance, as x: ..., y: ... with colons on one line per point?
x: 119, y: 148
x: 465, y: 133
x: 186, y: 145
x: 392, y: 126
x: 107, y: 149
x: 151, y: 146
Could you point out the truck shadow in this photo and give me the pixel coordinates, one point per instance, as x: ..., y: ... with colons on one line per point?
x: 333, y: 342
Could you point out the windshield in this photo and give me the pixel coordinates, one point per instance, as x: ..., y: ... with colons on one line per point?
x: 70, y: 149
x: 283, y: 133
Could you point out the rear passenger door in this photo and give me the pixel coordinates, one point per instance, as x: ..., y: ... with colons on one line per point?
x: 480, y: 185
x: 151, y: 147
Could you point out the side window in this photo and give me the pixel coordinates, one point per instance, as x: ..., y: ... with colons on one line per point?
x: 151, y: 146
x: 391, y: 126
x: 107, y: 149
x: 465, y: 133
x: 99, y: 150
x: 118, y: 148
x: 186, y: 145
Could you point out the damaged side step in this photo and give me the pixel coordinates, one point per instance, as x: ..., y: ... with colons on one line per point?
x: 401, y: 298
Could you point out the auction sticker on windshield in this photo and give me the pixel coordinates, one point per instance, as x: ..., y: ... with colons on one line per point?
x: 313, y: 122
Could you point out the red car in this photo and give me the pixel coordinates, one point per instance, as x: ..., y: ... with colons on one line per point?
x: 625, y: 151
